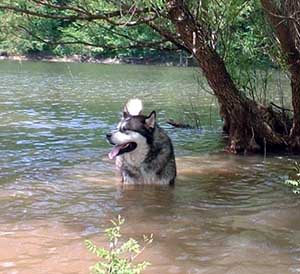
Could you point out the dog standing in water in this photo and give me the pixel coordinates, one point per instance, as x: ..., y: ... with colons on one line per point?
x: 143, y: 151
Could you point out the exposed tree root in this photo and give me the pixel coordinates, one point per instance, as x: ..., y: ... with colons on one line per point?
x: 260, y: 129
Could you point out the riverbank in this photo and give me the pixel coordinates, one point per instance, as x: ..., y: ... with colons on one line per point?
x: 174, y: 60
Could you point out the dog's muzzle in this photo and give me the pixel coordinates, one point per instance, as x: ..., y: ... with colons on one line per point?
x: 108, y: 138
x: 119, y: 149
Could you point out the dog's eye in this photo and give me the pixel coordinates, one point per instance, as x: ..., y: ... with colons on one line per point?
x: 123, y: 128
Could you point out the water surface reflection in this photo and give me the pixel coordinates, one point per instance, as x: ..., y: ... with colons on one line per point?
x: 226, y: 214
x: 218, y: 219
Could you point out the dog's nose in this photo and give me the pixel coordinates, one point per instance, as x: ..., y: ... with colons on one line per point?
x: 108, y: 135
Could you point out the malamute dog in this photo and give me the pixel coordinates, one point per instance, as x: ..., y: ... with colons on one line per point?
x: 143, y: 152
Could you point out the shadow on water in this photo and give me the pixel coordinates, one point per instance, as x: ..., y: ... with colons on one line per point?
x: 226, y: 214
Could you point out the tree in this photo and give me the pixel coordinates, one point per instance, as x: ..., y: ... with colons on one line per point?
x: 285, y: 19
x: 200, y: 28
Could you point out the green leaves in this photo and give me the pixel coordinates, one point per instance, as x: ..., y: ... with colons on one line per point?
x: 243, y: 41
x: 92, y: 28
x: 295, y: 182
x: 120, y: 257
x: 111, y: 28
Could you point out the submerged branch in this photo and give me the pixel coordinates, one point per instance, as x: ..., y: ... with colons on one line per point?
x: 178, y: 124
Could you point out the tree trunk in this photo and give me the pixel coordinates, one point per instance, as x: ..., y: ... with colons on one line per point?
x: 293, y: 10
x: 295, y: 130
x: 286, y: 26
x: 243, y: 118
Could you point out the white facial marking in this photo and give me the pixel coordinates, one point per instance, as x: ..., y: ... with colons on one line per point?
x: 138, y: 155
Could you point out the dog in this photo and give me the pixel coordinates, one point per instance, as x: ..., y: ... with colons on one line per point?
x: 142, y: 150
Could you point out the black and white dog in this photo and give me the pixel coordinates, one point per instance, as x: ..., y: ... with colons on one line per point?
x: 143, y: 151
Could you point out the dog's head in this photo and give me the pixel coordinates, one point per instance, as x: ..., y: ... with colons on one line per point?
x: 134, y: 131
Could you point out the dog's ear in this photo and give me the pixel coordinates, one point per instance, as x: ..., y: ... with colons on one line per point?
x: 151, y: 119
x: 125, y: 112
x: 133, y: 107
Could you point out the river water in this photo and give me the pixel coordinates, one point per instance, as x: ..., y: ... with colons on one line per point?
x: 226, y: 214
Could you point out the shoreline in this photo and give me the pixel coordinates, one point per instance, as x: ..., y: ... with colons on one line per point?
x: 159, y: 61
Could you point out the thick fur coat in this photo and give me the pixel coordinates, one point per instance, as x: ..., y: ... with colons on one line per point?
x: 143, y: 151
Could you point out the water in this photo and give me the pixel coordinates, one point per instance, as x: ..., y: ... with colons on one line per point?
x: 226, y: 214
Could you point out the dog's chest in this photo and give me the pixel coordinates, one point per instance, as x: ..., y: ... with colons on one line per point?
x: 134, y: 169
x: 139, y: 175
x: 137, y: 157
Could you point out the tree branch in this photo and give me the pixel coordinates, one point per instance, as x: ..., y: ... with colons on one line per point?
x: 168, y: 35
x: 283, y: 34
x: 137, y: 45
x: 81, y: 14
x: 77, y: 9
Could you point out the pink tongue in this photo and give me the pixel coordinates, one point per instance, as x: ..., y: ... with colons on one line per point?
x: 114, y: 152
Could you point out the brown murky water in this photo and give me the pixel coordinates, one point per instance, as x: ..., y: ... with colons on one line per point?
x: 226, y: 214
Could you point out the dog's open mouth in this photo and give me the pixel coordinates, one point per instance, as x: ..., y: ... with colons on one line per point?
x: 120, y: 149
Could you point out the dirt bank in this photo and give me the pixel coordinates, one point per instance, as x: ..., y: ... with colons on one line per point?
x: 157, y: 60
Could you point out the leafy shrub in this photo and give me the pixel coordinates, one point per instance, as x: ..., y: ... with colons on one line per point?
x: 295, y: 182
x: 120, y: 257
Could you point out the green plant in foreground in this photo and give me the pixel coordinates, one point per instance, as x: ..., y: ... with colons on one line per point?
x: 120, y: 257
x: 295, y: 183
